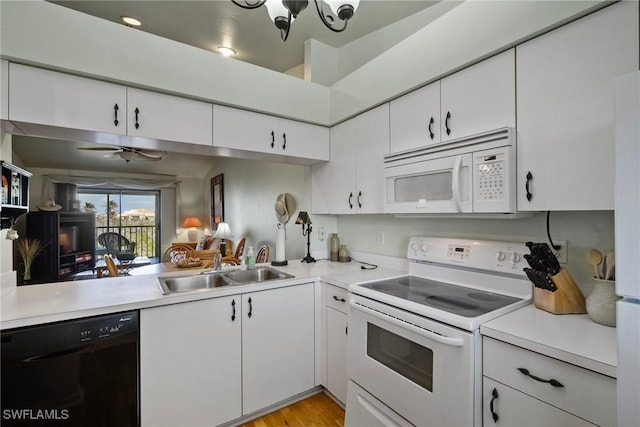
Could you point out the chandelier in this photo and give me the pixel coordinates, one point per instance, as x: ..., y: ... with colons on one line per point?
x: 284, y: 12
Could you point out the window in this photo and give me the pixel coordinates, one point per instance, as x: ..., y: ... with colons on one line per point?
x: 130, y: 213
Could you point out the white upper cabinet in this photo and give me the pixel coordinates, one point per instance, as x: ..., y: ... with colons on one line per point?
x: 56, y: 99
x: 565, y: 110
x: 261, y: 133
x: 415, y: 119
x: 353, y: 181
x: 159, y: 116
x: 303, y: 140
x: 479, y: 98
x: 4, y: 90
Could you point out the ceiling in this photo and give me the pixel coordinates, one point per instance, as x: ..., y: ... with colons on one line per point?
x: 207, y: 24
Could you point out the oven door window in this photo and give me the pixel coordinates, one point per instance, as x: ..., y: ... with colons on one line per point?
x: 407, y: 358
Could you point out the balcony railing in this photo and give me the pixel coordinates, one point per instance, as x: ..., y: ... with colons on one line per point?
x: 145, y: 237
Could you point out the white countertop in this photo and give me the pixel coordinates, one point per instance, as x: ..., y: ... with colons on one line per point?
x: 572, y: 338
x: 51, y: 302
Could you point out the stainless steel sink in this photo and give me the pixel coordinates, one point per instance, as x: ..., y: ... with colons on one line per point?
x: 212, y: 280
x: 258, y: 275
x: 191, y: 283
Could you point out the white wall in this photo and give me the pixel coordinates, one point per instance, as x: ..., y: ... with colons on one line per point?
x: 582, y: 230
x: 250, y: 192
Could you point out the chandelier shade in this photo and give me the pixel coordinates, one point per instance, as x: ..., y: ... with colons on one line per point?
x: 284, y: 12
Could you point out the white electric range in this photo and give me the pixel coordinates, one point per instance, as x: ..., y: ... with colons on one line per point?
x: 415, y: 351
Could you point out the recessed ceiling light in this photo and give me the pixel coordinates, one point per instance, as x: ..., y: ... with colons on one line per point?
x: 226, y: 51
x: 131, y: 21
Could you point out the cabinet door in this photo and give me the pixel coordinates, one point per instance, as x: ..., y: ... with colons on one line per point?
x: 57, y: 99
x: 415, y: 119
x: 343, y: 167
x: 277, y: 345
x: 479, y: 98
x: 4, y: 90
x: 514, y: 408
x: 303, y: 140
x: 372, y: 135
x: 244, y: 130
x: 170, y: 118
x: 337, y: 353
x: 565, y: 110
x: 190, y: 363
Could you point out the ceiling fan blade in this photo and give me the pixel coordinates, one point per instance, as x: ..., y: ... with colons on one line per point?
x: 152, y: 156
x: 100, y: 148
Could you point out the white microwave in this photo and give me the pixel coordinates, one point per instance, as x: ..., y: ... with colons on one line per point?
x: 476, y: 174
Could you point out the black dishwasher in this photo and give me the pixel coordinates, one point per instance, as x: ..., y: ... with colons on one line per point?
x: 74, y: 373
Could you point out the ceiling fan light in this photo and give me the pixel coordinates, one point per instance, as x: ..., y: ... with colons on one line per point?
x: 128, y: 155
x: 295, y: 6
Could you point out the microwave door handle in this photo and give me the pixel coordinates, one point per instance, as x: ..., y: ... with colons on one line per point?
x: 442, y: 339
x: 455, y: 183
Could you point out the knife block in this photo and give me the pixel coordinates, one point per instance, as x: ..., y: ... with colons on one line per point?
x: 566, y: 299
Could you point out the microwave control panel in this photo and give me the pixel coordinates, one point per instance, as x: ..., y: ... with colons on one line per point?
x: 493, y: 180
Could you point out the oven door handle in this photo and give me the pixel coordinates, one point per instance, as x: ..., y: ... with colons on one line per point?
x: 455, y: 183
x: 442, y: 339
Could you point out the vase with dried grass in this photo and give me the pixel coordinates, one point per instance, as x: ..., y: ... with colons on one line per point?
x: 28, y: 249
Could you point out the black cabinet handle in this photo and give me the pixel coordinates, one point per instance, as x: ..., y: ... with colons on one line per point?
x: 284, y: 141
x: 339, y: 299
x: 233, y: 307
x: 350, y: 204
x: 431, y: 134
x: 273, y: 139
x: 346, y: 330
x: 553, y: 382
x: 115, y: 114
x: 250, y: 308
x: 446, y: 123
x: 137, y: 112
x: 494, y: 414
x: 529, y: 178
x: 359, y: 195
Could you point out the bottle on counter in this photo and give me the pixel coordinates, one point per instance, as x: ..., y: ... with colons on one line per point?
x: 334, y: 247
x: 251, y: 258
x: 343, y: 254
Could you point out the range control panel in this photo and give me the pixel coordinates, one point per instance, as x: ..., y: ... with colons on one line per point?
x: 489, y: 255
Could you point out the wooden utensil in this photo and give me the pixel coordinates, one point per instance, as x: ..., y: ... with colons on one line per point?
x: 594, y: 258
x: 611, y: 262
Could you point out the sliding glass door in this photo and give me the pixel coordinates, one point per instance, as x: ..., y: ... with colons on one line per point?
x: 134, y: 215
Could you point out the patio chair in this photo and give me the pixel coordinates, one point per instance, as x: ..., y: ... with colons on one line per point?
x: 117, y: 245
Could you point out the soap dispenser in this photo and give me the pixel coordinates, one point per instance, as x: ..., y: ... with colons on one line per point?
x: 251, y: 258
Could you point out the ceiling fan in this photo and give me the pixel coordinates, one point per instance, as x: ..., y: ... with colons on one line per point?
x: 129, y: 153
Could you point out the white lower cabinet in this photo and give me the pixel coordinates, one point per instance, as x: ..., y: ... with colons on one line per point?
x: 336, y: 342
x: 505, y: 406
x: 190, y: 363
x: 278, y: 356
x: 524, y: 388
x: 211, y: 361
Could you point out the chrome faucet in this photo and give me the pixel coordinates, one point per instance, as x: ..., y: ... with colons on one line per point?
x: 217, y: 264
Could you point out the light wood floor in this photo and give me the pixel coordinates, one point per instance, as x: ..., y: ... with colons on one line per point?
x: 316, y: 411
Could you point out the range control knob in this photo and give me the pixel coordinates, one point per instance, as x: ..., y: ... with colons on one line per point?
x: 515, y: 257
x: 415, y: 247
x: 424, y: 247
x: 500, y: 256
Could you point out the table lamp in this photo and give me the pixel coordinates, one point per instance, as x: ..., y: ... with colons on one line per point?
x: 303, y: 218
x: 191, y: 222
x: 223, y: 232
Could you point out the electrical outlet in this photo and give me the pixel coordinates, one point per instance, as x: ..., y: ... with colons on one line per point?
x: 321, y: 234
x: 562, y: 253
x: 381, y: 237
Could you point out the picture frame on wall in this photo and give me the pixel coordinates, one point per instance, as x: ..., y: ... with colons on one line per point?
x: 217, y: 201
